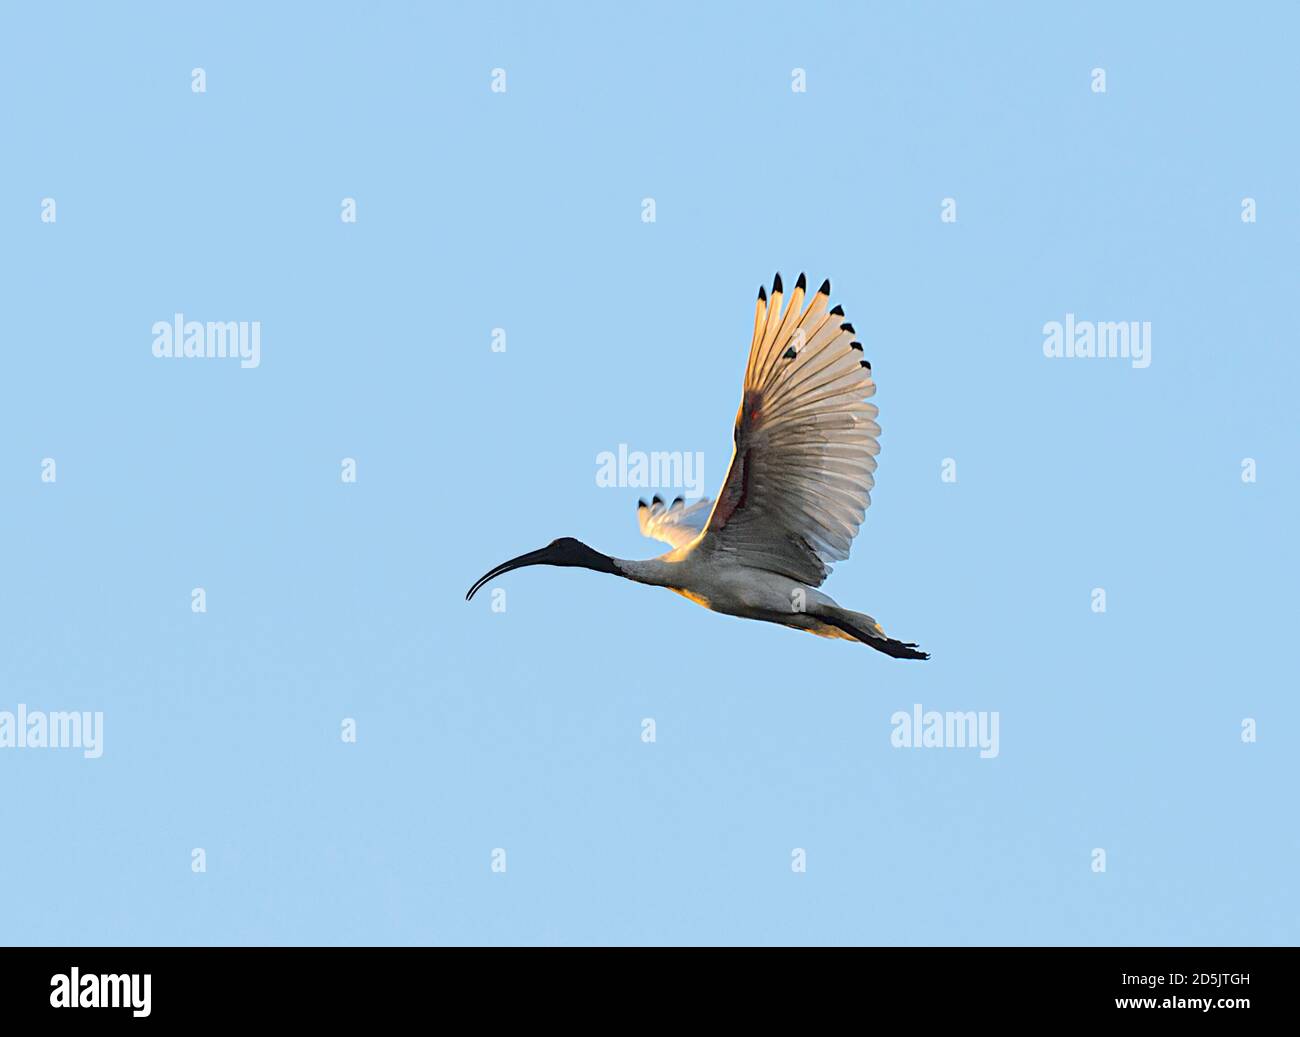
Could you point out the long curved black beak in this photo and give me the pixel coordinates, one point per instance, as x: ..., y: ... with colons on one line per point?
x: 542, y: 556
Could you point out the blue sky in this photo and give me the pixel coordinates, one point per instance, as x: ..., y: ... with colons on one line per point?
x: 522, y: 730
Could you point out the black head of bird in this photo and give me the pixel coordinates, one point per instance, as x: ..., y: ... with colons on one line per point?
x: 565, y: 551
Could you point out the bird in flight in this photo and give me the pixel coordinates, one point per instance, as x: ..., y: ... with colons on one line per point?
x: 796, y: 492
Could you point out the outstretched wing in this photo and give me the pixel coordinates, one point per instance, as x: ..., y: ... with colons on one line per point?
x: 675, y: 524
x: 805, y: 442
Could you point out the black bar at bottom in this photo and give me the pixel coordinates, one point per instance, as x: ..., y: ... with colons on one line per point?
x: 338, y: 985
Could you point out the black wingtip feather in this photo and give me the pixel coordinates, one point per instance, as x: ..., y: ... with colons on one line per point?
x: 838, y: 311
x: 846, y: 326
x: 825, y: 289
x: 762, y: 293
x: 776, y: 284
x: 802, y: 283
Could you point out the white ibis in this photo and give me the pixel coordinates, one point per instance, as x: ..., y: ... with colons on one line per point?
x: 796, y: 492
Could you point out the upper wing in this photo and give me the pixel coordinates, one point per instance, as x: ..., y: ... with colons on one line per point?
x: 676, y: 524
x: 805, y: 442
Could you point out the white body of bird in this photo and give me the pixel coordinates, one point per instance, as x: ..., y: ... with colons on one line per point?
x: 740, y: 591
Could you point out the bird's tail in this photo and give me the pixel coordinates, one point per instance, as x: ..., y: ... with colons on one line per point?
x: 862, y: 627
